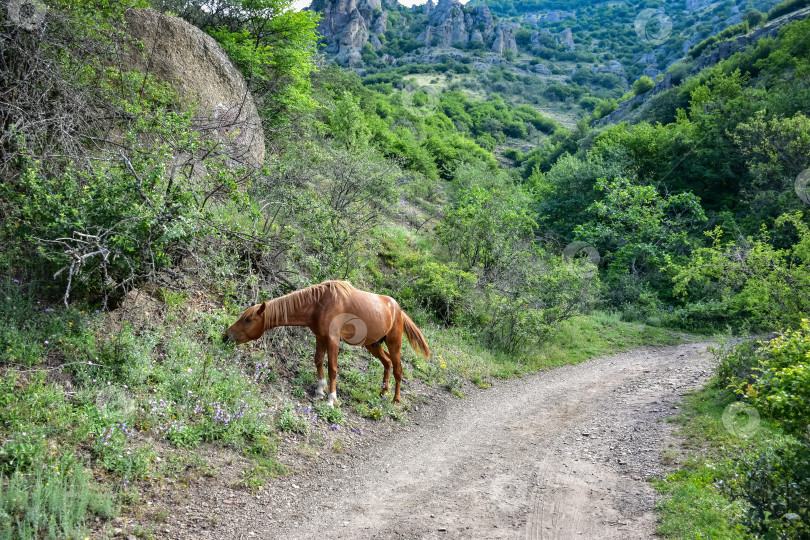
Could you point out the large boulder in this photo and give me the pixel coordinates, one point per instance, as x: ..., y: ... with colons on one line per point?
x: 199, y: 70
x: 567, y: 38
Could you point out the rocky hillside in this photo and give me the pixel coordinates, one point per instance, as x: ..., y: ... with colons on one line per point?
x: 637, y: 107
x: 601, y: 48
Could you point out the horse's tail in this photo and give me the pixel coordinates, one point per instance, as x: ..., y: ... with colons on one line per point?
x: 415, y: 337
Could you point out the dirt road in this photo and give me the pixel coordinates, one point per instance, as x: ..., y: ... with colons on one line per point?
x: 562, y: 454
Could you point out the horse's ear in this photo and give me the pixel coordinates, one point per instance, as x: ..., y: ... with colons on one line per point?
x: 260, y: 311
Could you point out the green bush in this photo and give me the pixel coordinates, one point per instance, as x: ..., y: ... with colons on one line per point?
x: 776, y: 485
x: 529, y: 301
x: 291, y: 420
x: 643, y: 85
x: 781, y: 385
x: 754, y: 281
x: 786, y: 7
x: 439, y: 288
x: 420, y: 99
x: 736, y: 364
x: 754, y: 17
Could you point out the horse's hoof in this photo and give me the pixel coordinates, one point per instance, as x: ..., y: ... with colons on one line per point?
x: 319, y: 390
x: 333, y: 401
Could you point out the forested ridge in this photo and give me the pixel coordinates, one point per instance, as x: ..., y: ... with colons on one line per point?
x: 518, y: 237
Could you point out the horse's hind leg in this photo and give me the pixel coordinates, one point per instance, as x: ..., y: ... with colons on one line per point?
x: 394, y: 343
x: 379, y: 353
x: 320, y: 351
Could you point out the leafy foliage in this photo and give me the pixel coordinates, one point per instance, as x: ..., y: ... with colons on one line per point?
x: 750, y: 278
x: 636, y: 228
x: 273, y: 45
x: 776, y: 485
x: 781, y: 382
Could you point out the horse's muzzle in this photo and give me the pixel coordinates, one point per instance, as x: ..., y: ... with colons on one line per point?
x: 225, y: 338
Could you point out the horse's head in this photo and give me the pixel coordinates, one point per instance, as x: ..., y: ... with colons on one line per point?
x: 250, y: 326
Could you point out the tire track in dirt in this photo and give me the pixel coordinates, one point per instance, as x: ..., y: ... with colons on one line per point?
x: 564, y: 454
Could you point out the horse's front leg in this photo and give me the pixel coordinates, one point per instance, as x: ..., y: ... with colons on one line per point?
x: 320, y: 351
x: 332, y: 348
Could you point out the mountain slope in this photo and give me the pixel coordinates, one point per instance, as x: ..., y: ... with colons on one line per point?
x: 560, y: 57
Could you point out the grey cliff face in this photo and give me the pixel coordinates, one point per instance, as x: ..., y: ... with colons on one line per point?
x: 505, y: 38
x: 347, y: 25
x: 451, y: 23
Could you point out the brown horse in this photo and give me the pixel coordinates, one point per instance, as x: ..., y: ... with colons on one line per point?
x: 335, y: 311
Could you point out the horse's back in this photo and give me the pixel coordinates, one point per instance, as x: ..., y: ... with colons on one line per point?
x: 377, y: 311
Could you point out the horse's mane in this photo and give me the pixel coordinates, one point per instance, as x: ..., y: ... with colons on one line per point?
x: 276, y: 310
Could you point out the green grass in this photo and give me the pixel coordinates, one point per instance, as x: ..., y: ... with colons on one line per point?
x: 458, y: 354
x: 698, y: 501
x: 70, y: 389
x: 57, y: 498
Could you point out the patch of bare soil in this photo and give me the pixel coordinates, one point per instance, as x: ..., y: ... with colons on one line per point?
x: 562, y: 454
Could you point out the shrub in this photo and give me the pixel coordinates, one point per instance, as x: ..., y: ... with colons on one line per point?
x: 102, y: 215
x: 529, y: 301
x: 420, y: 99
x: 786, y: 7
x: 736, y: 364
x: 643, y: 85
x: 51, y: 502
x: 754, y: 281
x: 754, y: 17
x: 776, y: 484
x: 289, y: 420
x: 439, y: 288
x: 781, y: 384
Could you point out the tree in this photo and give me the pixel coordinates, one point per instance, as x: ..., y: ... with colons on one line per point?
x: 487, y: 222
x: 347, y: 122
x: 643, y: 85
x: 635, y: 228
x: 273, y: 45
x: 749, y: 278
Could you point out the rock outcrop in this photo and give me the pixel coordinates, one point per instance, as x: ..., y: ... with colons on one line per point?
x: 346, y: 26
x: 450, y: 23
x: 199, y: 70
x: 567, y: 38
x: 630, y: 104
x: 564, y: 38
x: 482, y: 19
x: 505, y: 38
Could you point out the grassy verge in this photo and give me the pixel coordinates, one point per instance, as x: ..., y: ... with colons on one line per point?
x: 694, y: 507
x: 708, y: 496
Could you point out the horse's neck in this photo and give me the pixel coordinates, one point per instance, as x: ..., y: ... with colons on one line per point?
x: 277, y: 315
